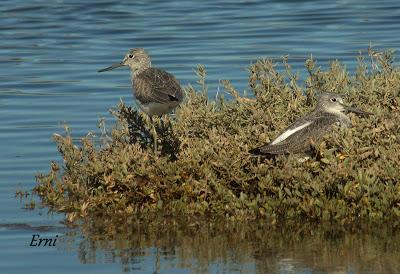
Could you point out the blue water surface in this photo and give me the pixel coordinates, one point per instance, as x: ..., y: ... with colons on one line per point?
x: 50, y: 52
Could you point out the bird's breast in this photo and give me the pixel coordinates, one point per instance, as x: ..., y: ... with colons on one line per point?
x: 344, y: 120
x: 157, y: 109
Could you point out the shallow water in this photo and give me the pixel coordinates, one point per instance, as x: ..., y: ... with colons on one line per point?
x: 49, y: 55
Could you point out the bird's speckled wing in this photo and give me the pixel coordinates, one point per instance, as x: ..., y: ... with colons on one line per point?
x: 157, y: 86
x: 299, y: 141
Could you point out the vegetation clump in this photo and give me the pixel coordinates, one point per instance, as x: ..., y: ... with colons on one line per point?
x: 203, y: 167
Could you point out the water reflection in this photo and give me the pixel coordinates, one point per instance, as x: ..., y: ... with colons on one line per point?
x: 169, y: 245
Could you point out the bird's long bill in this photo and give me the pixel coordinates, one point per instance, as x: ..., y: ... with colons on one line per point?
x: 357, y: 111
x: 113, y: 66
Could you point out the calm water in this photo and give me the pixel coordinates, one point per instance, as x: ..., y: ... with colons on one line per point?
x: 49, y: 54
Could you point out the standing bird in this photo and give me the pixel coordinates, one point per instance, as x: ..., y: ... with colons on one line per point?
x: 156, y: 91
x: 297, y: 137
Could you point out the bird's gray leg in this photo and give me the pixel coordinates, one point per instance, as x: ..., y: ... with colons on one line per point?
x: 154, y: 135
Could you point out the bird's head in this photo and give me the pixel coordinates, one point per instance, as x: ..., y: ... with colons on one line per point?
x: 136, y: 59
x: 333, y: 103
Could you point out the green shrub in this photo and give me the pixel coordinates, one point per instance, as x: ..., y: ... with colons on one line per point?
x: 203, y: 166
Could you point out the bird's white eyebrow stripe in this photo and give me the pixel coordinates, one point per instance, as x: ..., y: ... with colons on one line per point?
x: 289, y: 132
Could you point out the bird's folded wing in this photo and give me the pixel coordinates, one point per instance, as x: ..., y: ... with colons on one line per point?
x: 297, y: 141
x: 157, y: 86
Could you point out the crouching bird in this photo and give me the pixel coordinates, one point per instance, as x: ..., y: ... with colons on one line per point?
x: 297, y: 138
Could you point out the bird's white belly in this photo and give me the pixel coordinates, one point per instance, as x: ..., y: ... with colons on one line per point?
x: 158, y: 109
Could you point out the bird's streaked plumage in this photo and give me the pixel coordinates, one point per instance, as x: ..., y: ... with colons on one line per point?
x: 298, y: 136
x: 156, y: 91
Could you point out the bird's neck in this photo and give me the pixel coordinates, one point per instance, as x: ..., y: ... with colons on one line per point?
x: 344, y: 120
x: 342, y: 117
x: 137, y: 71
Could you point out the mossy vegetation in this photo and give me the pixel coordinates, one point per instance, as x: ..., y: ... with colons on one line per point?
x: 202, y: 166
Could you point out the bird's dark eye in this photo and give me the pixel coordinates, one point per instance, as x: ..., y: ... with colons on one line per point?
x: 333, y: 99
x: 130, y: 56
